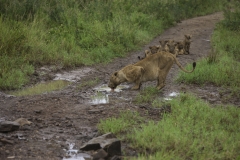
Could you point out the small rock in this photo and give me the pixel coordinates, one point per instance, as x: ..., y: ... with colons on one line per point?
x: 38, y: 111
x: 108, y: 142
x: 11, y: 157
x: 8, y: 126
x: 101, y: 154
x: 80, y: 137
x: 115, y: 158
x: 95, y: 111
x: 6, y: 141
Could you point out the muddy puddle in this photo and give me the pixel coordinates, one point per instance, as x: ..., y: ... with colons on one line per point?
x: 171, y: 95
x: 72, y: 154
x: 99, y: 98
x: 74, y: 75
x: 105, y: 88
x: 103, y: 94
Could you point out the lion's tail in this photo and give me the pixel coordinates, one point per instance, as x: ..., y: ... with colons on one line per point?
x: 180, y: 66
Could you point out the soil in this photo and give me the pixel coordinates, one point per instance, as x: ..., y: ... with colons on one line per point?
x: 68, y: 117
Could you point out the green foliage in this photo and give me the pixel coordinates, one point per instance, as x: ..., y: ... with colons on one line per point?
x: 79, y: 32
x: 124, y: 122
x: 232, y: 15
x: 146, y: 95
x: 193, y: 130
x: 42, y: 88
x: 225, y: 72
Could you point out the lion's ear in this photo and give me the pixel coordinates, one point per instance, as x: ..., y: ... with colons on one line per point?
x: 188, y: 36
x: 150, y: 47
x: 115, y: 74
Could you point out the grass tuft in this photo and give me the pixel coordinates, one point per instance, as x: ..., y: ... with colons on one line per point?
x: 146, y: 95
x: 42, y: 88
x: 124, y: 122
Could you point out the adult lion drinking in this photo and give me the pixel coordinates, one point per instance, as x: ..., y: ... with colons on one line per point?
x: 153, y: 67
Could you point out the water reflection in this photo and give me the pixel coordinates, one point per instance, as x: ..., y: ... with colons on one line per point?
x: 72, y: 154
x: 100, y: 98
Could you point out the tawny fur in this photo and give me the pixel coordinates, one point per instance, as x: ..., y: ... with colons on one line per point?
x: 153, y: 67
x: 22, y: 121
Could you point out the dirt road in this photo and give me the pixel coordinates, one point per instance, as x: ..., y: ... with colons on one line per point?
x: 70, y: 117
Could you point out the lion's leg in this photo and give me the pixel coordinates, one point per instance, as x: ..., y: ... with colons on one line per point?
x: 161, y: 81
x: 137, y: 76
x: 163, y: 75
x: 182, y: 51
x: 137, y: 86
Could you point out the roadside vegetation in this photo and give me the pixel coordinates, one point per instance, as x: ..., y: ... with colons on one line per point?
x: 79, y: 32
x: 147, y: 95
x: 222, y: 66
x: 193, y: 130
x: 124, y: 122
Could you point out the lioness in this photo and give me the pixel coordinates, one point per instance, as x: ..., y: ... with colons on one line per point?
x: 153, y: 67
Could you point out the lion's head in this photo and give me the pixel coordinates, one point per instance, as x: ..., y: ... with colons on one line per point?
x: 163, y: 43
x: 147, y: 53
x: 188, y: 37
x: 154, y: 49
x: 171, y: 46
x: 114, y: 81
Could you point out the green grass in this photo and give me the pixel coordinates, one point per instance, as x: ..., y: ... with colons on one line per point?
x: 224, y: 72
x: 75, y: 33
x: 193, y: 130
x: 123, y: 123
x: 41, y: 88
x: 146, y: 95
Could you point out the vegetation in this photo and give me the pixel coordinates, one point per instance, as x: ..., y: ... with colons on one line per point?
x: 193, y: 130
x: 79, y: 32
x: 222, y: 67
x: 124, y: 122
x: 146, y: 95
x: 42, y: 88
